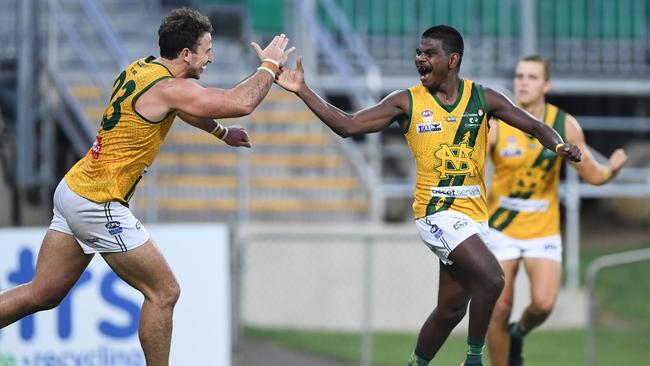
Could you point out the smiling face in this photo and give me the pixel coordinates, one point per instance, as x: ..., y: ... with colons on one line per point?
x: 432, y: 63
x: 530, y: 83
x: 198, y: 61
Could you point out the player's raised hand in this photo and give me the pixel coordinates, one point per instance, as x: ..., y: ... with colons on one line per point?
x: 237, y: 136
x: 617, y: 160
x: 569, y: 151
x: 276, y: 50
x: 292, y: 79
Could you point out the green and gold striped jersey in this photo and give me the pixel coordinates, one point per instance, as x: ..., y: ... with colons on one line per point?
x: 449, y: 144
x: 523, y: 200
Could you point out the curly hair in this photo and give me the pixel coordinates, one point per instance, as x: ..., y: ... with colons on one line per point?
x: 181, y: 28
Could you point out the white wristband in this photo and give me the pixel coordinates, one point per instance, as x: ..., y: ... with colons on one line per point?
x: 225, y: 134
x: 267, y: 69
x: 273, y: 61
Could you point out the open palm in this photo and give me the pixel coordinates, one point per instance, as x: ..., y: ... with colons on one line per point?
x: 292, y: 79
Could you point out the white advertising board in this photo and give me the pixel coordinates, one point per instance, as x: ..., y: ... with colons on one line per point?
x: 97, y: 323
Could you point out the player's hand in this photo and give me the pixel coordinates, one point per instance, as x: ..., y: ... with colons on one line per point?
x: 570, y: 151
x: 237, y: 136
x: 292, y: 80
x: 617, y: 160
x: 276, y: 50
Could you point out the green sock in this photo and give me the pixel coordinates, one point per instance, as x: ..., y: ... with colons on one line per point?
x: 474, y: 352
x: 517, y: 331
x: 417, y: 360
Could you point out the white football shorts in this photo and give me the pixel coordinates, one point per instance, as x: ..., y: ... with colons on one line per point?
x: 507, y: 248
x: 98, y: 227
x: 442, y: 232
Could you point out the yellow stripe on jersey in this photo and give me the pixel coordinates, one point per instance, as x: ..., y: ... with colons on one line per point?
x: 127, y: 143
x: 449, y: 143
x: 523, y: 200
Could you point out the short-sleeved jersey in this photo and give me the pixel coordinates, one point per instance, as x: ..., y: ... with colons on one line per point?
x: 127, y: 143
x: 523, y: 200
x: 449, y: 145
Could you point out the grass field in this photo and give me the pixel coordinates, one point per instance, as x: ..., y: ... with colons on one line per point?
x: 623, y: 334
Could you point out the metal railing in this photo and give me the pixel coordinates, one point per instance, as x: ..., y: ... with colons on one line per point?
x: 111, y: 39
x: 594, y: 268
x: 582, y: 39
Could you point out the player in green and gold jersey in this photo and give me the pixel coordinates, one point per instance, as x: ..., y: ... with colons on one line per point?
x: 445, y: 122
x: 91, y: 213
x: 524, y: 207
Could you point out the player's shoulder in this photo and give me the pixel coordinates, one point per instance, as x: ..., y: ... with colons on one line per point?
x: 399, y: 98
x: 568, y: 118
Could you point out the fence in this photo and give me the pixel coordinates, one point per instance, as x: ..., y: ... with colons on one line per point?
x: 621, y: 318
x: 348, y: 278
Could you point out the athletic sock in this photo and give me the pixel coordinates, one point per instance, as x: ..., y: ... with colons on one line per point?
x: 516, y: 330
x: 474, y: 352
x: 417, y: 360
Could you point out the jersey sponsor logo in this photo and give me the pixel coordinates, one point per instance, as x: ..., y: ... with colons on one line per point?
x: 457, y: 191
x: 523, y: 205
x: 451, y: 119
x: 511, y: 152
x: 456, y: 160
x: 429, y: 127
x: 114, y: 227
x: 97, y: 147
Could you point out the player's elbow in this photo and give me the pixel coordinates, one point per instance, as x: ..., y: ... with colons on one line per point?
x: 244, y: 109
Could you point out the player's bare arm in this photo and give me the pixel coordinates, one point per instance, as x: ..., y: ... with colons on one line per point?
x: 184, y: 95
x: 233, y: 135
x: 589, y: 169
x: 506, y: 111
x: 372, y: 119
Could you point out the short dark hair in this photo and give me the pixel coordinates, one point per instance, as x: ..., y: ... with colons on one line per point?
x: 451, y: 39
x: 181, y: 28
x: 543, y: 61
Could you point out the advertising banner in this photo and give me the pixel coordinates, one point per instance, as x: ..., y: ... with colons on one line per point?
x: 97, y: 323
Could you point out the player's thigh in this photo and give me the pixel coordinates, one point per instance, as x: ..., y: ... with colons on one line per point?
x: 59, y: 265
x: 144, y: 268
x: 545, y: 277
x: 475, y: 259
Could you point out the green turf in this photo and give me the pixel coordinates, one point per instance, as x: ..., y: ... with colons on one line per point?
x: 623, y: 333
x: 560, y: 348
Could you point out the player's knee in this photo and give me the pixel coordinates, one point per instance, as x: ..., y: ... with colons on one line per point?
x: 168, y: 295
x: 43, y: 298
x: 543, y: 307
x: 494, y: 283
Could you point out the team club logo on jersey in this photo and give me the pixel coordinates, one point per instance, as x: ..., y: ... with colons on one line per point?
x: 455, y: 160
x: 429, y: 127
x: 511, y: 150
